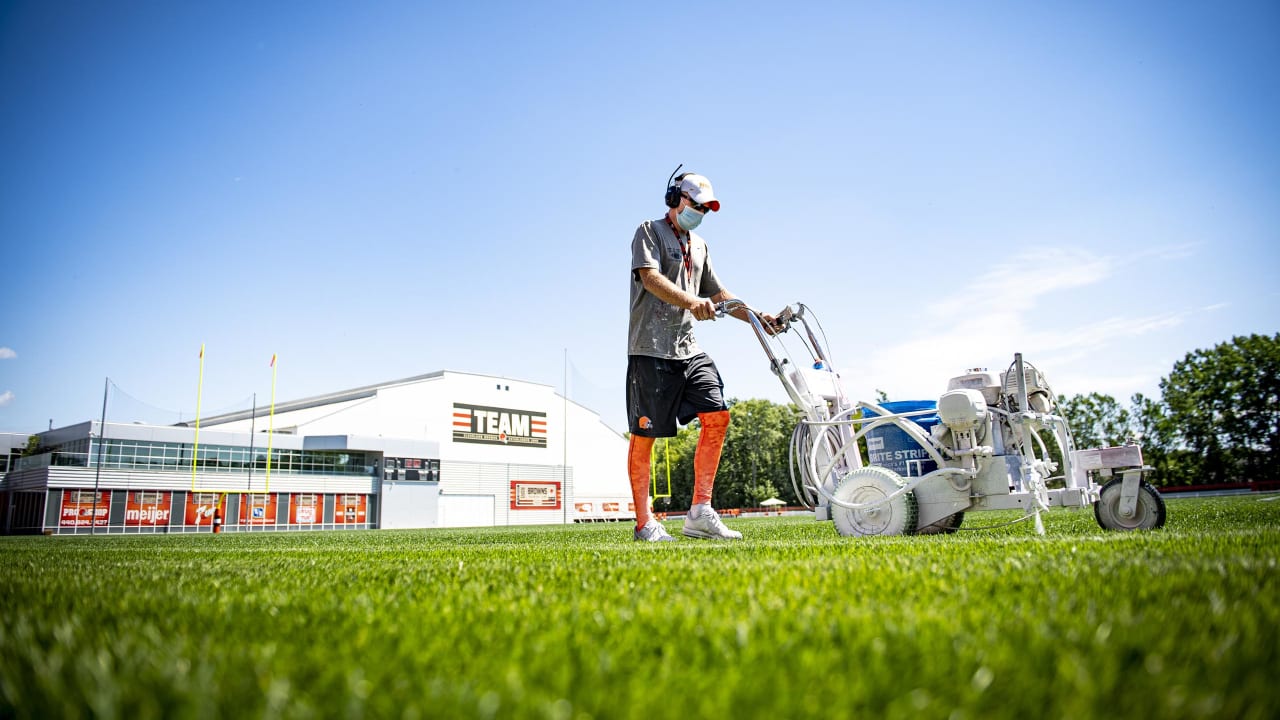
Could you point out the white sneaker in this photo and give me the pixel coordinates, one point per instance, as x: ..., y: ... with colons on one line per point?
x: 653, y: 531
x: 704, y: 522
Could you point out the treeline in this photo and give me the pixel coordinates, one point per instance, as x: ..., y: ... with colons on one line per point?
x: 753, y: 465
x: 1217, y: 421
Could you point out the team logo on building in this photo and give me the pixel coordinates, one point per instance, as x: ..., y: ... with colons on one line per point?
x: 499, y: 426
x: 535, y: 495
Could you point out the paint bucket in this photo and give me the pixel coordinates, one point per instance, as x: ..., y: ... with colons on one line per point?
x: 888, y: 446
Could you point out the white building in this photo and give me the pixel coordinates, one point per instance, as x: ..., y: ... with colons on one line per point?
x: 447, y: 449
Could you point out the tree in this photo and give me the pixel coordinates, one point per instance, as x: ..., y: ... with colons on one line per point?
x: 1224, y: 406
x: 753, y: 464
x: 1150, y: 423
x: 1096, y: 420
x: 1153, y: 429
x: 675, y: 456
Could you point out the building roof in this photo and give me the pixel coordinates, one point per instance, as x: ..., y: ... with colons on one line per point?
x: 332, y: 398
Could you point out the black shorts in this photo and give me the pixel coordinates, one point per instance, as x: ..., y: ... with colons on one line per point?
x: 662, y: 392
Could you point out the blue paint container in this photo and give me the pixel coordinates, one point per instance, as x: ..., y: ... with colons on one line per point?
x: 890, y: 447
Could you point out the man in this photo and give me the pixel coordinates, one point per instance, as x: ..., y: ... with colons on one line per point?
x: 669, y: 379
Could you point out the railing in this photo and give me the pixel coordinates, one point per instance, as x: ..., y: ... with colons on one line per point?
x: 1257, y: 486
x: 162, y: 464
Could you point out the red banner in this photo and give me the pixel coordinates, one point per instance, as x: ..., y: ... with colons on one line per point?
x: 350, y: 509
x: 305, y: 509
x: 78, y: 508
x: 258, y: 509
x: 200, y: 508
x: 147, y: 508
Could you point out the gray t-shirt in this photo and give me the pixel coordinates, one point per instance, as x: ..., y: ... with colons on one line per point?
x: 658, y: 329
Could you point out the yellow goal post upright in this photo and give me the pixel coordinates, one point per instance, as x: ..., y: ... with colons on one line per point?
x: 195, y: 446
x: 271, y: 419
x: 224, y: 492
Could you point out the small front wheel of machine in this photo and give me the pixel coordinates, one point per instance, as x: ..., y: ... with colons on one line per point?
x: 946, y: 526
x: 1149, y: 512
x: 869, y: 485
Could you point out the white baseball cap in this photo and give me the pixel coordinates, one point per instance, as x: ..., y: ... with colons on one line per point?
x: 698, y: 188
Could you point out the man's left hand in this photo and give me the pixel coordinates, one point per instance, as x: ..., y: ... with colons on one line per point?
x: 770, y: 323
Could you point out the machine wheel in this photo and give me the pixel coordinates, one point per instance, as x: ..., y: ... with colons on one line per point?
x: 945, y: 526
x: 1148, y: 515
x: 866, y: 485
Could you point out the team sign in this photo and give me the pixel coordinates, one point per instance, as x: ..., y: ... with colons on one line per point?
x: 499, y: 426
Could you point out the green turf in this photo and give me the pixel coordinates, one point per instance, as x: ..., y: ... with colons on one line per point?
x: 570, y: 622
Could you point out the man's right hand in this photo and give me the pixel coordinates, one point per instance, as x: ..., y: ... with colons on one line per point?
x: 656, y: 283
x: 703, y: 309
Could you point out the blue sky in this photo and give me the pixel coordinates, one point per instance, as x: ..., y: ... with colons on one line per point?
x: 379, y: 190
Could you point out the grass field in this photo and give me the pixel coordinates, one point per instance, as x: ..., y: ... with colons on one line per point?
x: 578, y: 621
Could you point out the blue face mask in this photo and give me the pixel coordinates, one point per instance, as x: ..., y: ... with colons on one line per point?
x: 689, y: 219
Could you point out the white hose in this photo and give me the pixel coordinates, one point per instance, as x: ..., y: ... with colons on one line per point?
x: 883, y: 418
x: 940, y: 472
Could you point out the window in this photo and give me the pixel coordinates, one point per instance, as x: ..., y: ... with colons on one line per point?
x: 136, y: 454
x: 411, y: 469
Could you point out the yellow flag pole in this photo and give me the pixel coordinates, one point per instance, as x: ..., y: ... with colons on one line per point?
x: 271, y: 420
x: 195, y: 448
x: 666, y: 447
x: 653, y: 469
x: 653, y: 474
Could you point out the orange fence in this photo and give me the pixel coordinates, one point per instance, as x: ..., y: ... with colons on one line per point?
x: 739, y: 512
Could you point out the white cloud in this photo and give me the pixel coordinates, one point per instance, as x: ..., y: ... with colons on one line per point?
x: 1070, y: 356
x: 1164, y: 252
x: 1020, y: 280
x: 7, y: 353
x: 6, y: 397
x: 983, y: 322
x: 1117, y: 383
x: 1094, y: 335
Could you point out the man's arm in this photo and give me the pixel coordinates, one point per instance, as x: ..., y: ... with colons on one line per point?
x: 702, y: 308
x: 741, y: 313
x: 657, y: 283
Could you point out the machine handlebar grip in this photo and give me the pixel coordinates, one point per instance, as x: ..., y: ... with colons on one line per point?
x: 781, y: 323
x: 725, y: 307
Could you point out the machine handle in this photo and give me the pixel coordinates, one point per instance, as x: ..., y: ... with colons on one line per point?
x: 782, y: 321
x: 727, y: 306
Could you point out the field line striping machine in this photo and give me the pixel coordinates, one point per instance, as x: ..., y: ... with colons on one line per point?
x: 980, y: 447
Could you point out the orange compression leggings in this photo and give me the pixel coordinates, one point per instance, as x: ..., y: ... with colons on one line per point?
x: 706, y: 459
x: 638, y: 470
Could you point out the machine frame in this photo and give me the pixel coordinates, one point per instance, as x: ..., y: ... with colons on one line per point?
x: 988, y: 449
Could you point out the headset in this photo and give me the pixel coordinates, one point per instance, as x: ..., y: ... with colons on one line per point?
x: 673, y: 187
